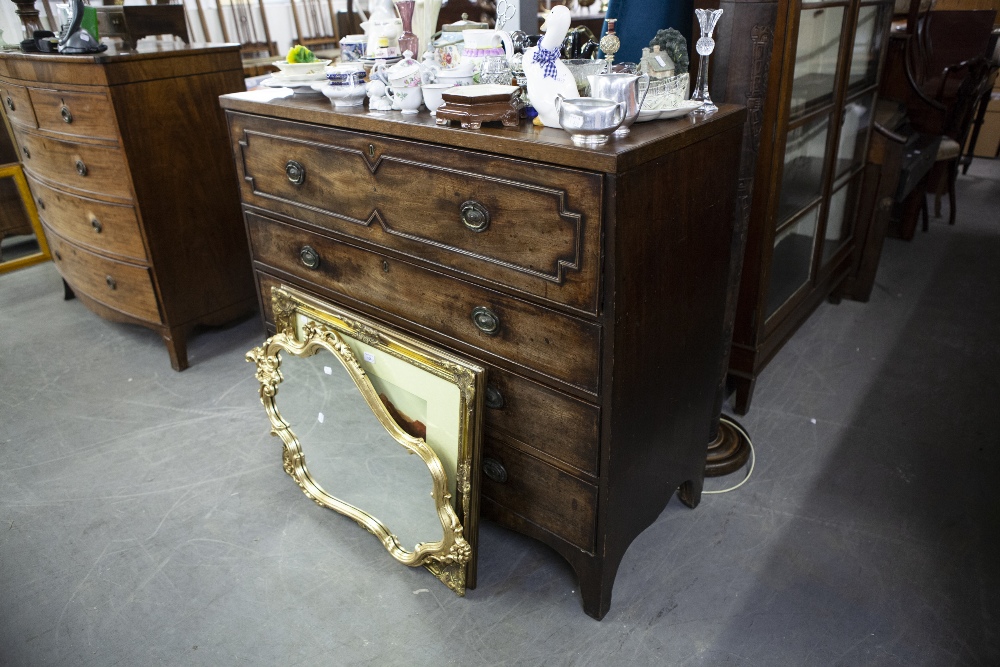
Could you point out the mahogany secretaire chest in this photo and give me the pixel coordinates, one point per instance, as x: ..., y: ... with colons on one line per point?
x: 589, y: 282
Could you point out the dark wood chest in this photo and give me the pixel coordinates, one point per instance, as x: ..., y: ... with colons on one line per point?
x: 590, y: 283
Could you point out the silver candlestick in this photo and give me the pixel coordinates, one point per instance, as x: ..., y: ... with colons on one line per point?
x: 707, y: 18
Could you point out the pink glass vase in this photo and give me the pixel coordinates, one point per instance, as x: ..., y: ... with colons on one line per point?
x: 407, y: 41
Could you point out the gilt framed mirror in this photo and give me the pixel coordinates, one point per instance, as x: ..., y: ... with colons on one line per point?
x: 380, y: 427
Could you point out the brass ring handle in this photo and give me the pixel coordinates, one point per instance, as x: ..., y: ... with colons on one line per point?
x: 296, y: 172
x: 27, y: 153
x: 10, y: 103
x: 494, y: 470
x: 96, y: 224
x: 111, y: 282
x: 66, y: 115
x: 494, y: 399
x: 486, y: 320
x: 309, y: 257
x: 474, y: 215
x: 81, y: 168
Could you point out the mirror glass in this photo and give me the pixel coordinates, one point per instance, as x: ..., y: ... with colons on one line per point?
x: 350, y: 455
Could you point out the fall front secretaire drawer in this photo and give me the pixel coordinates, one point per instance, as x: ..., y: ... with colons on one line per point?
x: 555, y: 345
x: 527, y: 226
x: 102, y: 226
x: 86, y: 168
x: 124, y: 287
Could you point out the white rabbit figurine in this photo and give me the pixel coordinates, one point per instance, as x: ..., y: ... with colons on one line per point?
x: 547, y: 75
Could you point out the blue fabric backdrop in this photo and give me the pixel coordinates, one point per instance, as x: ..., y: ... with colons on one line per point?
x: 638, y: 21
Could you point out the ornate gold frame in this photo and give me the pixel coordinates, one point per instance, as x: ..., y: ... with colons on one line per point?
x: 452, y: 560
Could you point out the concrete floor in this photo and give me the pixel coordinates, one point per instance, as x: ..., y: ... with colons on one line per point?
x: 145, y: 518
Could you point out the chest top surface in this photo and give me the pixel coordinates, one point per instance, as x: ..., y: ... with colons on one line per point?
x: 646, y: 141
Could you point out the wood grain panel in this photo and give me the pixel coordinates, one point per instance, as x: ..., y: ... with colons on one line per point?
x: 87, y: 115
x: 544, y: 421
x: 17, y: 104
x: 98, y: 225
x: 545, y: 496
x: 409, y: 197
x: 558, y: 346
x: 126, y: 288
x: 104, y: 171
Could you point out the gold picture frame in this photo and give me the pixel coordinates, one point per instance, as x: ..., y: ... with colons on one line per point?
x: 306, y: 325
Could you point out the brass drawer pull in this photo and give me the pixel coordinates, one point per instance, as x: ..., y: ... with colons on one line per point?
x: 27, y: 153
x: 111, y: 282
x: 81, y: 168
x: 494, y: 470
x: 309, y: 257
x: 296, y: 172
x: 41, y: 203
x: 494, y: 399
x: 96, y: 224
x: 58, y: 256
x: 66, y: 115
x: 486, y: 320
x: 475, y: 216
x: 10, y: 103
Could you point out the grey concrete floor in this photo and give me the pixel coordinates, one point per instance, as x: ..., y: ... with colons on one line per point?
x: 145, y: 518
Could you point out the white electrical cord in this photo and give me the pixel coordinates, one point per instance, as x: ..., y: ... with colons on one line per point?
x: 753, y: 455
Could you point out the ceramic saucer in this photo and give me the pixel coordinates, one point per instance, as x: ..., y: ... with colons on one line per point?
x: 685, y: 107
x: 297, y: 87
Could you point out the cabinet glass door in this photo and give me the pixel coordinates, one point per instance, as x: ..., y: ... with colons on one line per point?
x: 855, y: 121
x: 867, y: 45
x: 792, y: 259
x: 816, y: 56
x: 840, y: 218
x: 802, y: 178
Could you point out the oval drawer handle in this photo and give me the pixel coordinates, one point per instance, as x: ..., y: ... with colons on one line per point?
x: 81, y: 168
x: 295, y: 172
x: 494, y: 399
x: 111, y: 282
x: 27, y: 153
x: 474, y: 215
x: 58, y: 256
x: 41, y: 203
x: 66, y: 115
x: 96, y: 224
x: 494, y: 470
x: 10, y: 103
x: 309, y: 257
x: 486, y: 320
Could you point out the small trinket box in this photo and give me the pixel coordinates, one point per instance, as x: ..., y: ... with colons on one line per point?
x: 474, y: 105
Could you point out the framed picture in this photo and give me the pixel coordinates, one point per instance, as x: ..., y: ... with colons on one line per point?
x: 425, y: 399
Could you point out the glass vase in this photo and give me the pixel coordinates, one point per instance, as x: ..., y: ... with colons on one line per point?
x: 707, y: 18
x: 408, y: 41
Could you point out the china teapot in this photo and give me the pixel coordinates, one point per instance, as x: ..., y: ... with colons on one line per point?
x: 447, y: 44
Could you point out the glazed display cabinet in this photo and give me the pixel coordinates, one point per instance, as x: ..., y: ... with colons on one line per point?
x: 814, y: 106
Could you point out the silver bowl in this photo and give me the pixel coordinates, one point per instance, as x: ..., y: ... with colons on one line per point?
x: 589, y: 120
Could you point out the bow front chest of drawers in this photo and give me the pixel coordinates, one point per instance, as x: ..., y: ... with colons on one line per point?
x: 590, y: 283
x: 127, y: 158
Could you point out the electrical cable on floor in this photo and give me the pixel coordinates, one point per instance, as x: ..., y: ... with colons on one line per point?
x: 753, y: 455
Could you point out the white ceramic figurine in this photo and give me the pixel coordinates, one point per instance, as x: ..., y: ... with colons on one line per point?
x: 547, y: 75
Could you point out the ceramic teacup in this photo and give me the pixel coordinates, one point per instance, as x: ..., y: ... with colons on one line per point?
x: 406, y: 98
x: 433, y: 95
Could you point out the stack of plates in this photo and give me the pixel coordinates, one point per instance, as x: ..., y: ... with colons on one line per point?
x: 297, y: 76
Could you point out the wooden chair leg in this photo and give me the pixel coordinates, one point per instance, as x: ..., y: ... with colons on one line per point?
x: 923, y: 212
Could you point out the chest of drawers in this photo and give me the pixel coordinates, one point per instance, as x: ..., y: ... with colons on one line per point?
x: 590, y: 283
x: 127, y: 159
